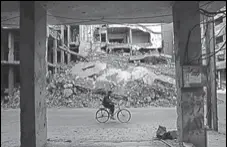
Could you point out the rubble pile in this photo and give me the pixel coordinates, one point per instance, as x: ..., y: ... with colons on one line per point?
x: 143, y: 95
x: 11, y: 101
x: 83, y: 84
x: 74, y: 91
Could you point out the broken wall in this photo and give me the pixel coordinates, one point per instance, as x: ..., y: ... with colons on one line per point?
x: 140, y: 37
x: 87, y: 32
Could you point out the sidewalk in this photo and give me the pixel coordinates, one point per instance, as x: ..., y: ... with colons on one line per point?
x: 214, y: 140
x: 154, y: 143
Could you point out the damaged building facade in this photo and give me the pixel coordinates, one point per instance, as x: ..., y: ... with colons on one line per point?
x: 57, y: 53
x: 125, y: 37
x: 68, y: 43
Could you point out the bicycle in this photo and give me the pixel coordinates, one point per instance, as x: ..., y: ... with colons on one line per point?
x: 105, y: 113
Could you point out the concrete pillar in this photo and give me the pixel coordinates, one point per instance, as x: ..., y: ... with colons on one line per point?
x: 11, y: 80
x: 11, y: 59
x: 2, y: 80
x: 33, y: 22
x: 190, y: 100
x: 130, y: 35
x: 130, y: 40
x: 107, y: 39
x: 167, y: 37
x: 62, y: 44
x: 55, y: 55
x: 211, y: 76
x: 219, y: 79
x: 11, y: 46
x: 2, y: 46
x: 2, y: 51
x: 46, y: 56
x: 69, y: 40
x: 80, y: 33
x: 100, y: 36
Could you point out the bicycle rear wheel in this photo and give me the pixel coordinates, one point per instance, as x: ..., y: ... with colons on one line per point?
x: 102, y: 115
x: 124, y: 115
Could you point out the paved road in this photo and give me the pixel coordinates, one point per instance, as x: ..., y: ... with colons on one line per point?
x: 71, y: 127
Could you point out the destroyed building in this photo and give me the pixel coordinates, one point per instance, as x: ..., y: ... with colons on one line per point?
x: 10, y: 57
x: 125, y: 37
x: 69, y: 43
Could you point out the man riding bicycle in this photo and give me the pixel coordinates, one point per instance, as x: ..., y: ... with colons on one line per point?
x: 107, y: 103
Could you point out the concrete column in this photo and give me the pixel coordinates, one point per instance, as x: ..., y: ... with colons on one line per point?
x: 190, y: 101
x: 33, y: 22
x: 11, y: 59
x: 69, y: 40
x: 130, y: 40
x: 107, y: 39
x: 46, y: 56
x: 80, y: 32
x: 100, y: 36
x: 11, y: 46
x: 2, y: 52
x: 208, y: 41
x: 11, y: 80
x: 55, y: 55
x: 211, y: 74
x: 167, y: 37
x: 2, y: 46
x: 219, y: 79
x: 62, y: 43
x: 130, y: 35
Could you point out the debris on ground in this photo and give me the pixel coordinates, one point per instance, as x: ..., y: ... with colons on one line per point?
x: 185, y: 144
x: 162, y: 133
x: 149, y: 59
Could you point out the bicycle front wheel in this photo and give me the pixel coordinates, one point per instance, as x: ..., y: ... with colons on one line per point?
x: 102, y: 115
x: 124, y: 115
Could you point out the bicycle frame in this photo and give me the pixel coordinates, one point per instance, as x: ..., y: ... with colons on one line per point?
x: 116, y: 109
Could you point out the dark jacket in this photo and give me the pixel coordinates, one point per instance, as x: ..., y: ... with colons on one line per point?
x: 106, y: 100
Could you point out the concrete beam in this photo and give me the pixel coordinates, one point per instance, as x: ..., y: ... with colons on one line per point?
x: 139, y: 11
x: 190, y: 100
x: 33, y: 119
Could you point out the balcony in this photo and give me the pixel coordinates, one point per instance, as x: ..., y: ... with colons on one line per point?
x: 133, y: 46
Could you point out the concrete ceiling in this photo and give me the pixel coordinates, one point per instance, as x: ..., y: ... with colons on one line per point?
x: 100, y: 12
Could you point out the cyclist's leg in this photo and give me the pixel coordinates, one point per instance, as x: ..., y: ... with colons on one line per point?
x: 111, y: 110
x: 107, y: 106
